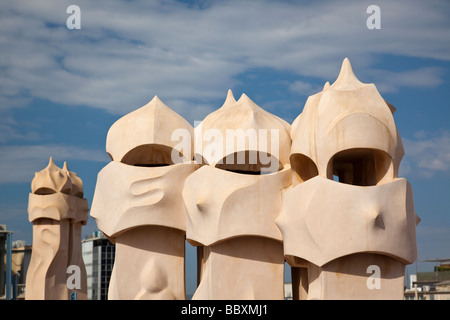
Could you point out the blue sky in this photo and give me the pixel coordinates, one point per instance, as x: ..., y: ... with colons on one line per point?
x: 61, y: 89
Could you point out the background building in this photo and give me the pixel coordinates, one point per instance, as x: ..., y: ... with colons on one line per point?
x: 433, y: 285
x: 98, y: 255
x: 3, y: 253
x: 20, y: 255
x: 288, y: 291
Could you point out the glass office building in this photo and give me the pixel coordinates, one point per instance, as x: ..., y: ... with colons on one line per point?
x: 98, y: 255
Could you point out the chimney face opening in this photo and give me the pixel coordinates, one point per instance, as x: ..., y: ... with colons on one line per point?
x: 149, y: 155
x: 250, y: 162
x: 44, y: 191
x: 360, y: 167
x: 303, y: 168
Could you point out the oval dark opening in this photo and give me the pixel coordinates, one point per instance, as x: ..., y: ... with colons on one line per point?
x: 149, y: 155
x: 360, y: 166
x: 250, y: 162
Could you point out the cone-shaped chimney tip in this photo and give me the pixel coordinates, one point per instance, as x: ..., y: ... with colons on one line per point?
x: 230, y: 96
x: 51, y: 163
x: 346, y: 79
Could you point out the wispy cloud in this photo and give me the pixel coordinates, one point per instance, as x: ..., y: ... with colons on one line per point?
x: 19, y: 163
x: 10, y: 129
x: 126, y: 53
x: 427, y: 154
x: 304, y: 88
x: 390, y: 81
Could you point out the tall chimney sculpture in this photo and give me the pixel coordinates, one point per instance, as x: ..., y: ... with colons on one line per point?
x: 348, y: 222
x: 233, y: 199
x: 138, y: 205
x: 58, y: 211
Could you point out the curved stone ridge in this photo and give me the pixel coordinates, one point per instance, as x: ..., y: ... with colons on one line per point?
x: 145, y: 136
x: 241, y: 127
x: 349, y: 220
x: 77, y: 183
x: 238, y: 205
x: 127, y: 197
x: 57, y: 206
x: 346, y: 115
x: 50, y: 180
x: 53, y: 179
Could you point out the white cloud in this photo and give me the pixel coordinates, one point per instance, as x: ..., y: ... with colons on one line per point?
x: 127, y: 52
x: 390, y: 81
x: 10, y: 133
x: 19, y: 163
x: 304, y: 88
x: 10, y: 129
x: 427, y: 155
